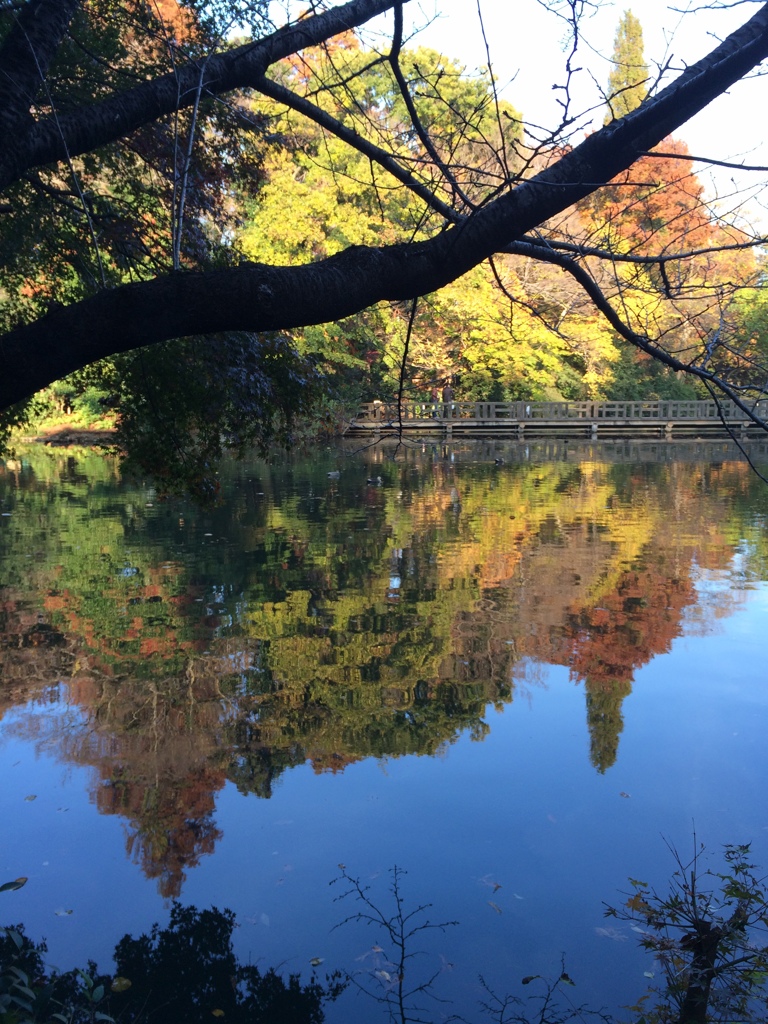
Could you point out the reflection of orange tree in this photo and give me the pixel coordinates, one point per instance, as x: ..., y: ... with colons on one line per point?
x: 140, y: 687
x: 158, y: 745
x: 101, y: 608
x: 161, y: 749
x: 173, y: 820
x: 634, y: 623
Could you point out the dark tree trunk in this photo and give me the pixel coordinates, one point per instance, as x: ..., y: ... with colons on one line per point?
x: 703, y: 943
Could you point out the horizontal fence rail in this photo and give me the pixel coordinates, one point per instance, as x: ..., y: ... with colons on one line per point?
x: 666, y: 415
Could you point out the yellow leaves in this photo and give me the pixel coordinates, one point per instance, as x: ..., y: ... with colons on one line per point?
x: 595, y: 342
x: 637, y: 904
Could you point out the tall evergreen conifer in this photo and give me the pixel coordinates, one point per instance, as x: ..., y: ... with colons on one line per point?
x: 627, y: 82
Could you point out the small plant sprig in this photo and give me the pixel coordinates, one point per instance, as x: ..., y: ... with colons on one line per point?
x: 389, y: 980
x: 551, y: 1004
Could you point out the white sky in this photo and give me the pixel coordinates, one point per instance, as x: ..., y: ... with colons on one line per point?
x: 526, y: 47
x: 526, y: 50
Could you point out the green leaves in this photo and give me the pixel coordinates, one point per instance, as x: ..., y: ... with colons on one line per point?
x: 627, y: 82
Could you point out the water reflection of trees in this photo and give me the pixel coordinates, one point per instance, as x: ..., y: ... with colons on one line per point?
x: 331, y: 620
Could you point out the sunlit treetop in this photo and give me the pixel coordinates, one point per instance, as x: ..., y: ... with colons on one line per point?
x: 628, y: 80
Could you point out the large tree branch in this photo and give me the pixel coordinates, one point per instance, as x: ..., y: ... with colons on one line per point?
x: 86, y: 128
x: 262, y: 298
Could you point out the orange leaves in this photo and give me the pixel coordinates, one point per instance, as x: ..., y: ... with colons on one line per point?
x: 656, y: 205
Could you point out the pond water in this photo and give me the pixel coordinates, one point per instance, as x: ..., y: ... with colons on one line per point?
x: 516, y: 682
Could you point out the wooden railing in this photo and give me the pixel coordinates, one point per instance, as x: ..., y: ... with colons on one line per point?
x: 520, y: 413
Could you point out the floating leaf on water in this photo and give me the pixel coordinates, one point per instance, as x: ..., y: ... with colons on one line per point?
x: 61, y: 912
x: 120, y: 984
x: 317, y: 960
x: 647, y: 974
x: 529, y: 978
x: 383, y: 975
x: 568, y: 981
x: 15, y: 884
x: 625, y: 795
x: 31, y: 797
x: 376, y: 949
x: 217, y: 1013
x: 495, y: 906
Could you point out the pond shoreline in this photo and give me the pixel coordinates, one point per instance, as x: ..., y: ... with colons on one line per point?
x: 66, y: 437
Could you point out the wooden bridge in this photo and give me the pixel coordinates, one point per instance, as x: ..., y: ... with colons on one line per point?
x: 536, y: 419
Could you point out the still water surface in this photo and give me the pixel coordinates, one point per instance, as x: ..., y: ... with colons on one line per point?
x: 512, y: 681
